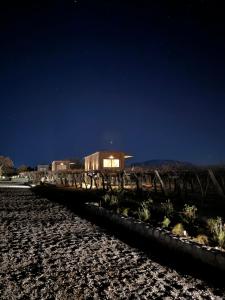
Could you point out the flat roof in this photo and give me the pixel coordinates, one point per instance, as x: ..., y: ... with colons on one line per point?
x: 108, y: 151
x: 54, y: 161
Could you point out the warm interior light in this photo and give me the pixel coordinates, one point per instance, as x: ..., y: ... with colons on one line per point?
x: 111, y: 163
x: 128, y: 156
x: 111, y: 157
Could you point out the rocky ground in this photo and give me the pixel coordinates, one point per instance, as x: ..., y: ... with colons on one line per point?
x: 48, y: 252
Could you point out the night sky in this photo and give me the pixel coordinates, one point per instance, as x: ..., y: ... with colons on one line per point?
x: 144, y: 77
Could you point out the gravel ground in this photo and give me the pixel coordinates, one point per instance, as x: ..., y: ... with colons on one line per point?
x: 49, y: 252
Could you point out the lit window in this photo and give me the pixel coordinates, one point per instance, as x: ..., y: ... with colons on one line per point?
x: 111, y: 163
x: 115, y: 163
x: 61, y: 167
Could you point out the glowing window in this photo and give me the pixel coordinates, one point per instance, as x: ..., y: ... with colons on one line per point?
x: 61, y: 167
x: 111, y: 163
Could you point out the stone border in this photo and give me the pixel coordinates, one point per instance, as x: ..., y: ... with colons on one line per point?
x: 207, y: 255
x: 14, y: 186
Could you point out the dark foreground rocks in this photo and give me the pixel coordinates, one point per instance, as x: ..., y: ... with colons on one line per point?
x: 48, y: 252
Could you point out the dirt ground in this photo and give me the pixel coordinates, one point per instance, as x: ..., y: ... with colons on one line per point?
x: 48, y: 252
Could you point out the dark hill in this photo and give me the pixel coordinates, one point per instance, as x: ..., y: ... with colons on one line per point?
x: 162, y: 163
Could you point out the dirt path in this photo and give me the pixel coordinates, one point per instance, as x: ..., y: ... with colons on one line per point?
x: 47, y: 252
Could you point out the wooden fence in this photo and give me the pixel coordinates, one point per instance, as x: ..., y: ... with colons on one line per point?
x: 202, y: 182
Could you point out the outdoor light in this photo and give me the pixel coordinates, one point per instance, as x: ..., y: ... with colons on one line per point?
x: 128, y: 156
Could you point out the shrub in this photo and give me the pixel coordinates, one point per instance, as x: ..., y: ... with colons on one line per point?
x: 201, y: 239
x: 165, y: 222
x: 106, y: 198
x: 113, y: 200
x: 110, y: 200
x: 124, y: 211
x: 167, y: 208
x: 144, y: 213
x: 217, y: 228
x: 189, y: 213
x: 148, y: 202
x: 178, y: 229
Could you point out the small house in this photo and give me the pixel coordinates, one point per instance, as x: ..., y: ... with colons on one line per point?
x: 61, y: 165
x: 43, y: 168
x: 105, y: 160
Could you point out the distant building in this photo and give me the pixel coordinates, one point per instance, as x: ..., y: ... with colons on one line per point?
x: 105, y: 160
x: 43, y: 168
x: 61, y: 165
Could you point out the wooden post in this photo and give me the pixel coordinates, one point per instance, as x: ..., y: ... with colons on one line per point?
x: 161, y: 182
x: 216, y: 183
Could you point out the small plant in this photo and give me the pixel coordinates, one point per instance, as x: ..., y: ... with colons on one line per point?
x: 221, y: 238
x: 105, y: 199
x: 144, y: 213
x: 167, y: 208
x: 166, y: 222
x: 110, y: 200
x: 178, y: 229
x: 124, y: 211
x: 113, y: 200
x: 148, y: 202
x: 217, y: 228
x: 201, y: 239
x: 189, y: 213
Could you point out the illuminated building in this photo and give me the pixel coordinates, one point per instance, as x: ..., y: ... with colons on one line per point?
x: 43, y: 168
x: 105, y: 160
x: 61, y: 165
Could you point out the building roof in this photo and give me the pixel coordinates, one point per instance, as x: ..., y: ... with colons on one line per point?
x: 109, y: 152
x: 63, y: 160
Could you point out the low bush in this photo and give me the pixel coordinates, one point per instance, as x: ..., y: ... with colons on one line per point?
x: 144, y: 213
x: 166, y: 222
x: 167, y: 208
x: 178, y: 229
x: 124, y: 211
x: 189, y: 213
x: 201, y: 239
x: 217, y: 228
x: 109, y: 200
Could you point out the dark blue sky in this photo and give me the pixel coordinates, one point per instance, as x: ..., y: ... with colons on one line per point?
x: 147, y: 75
